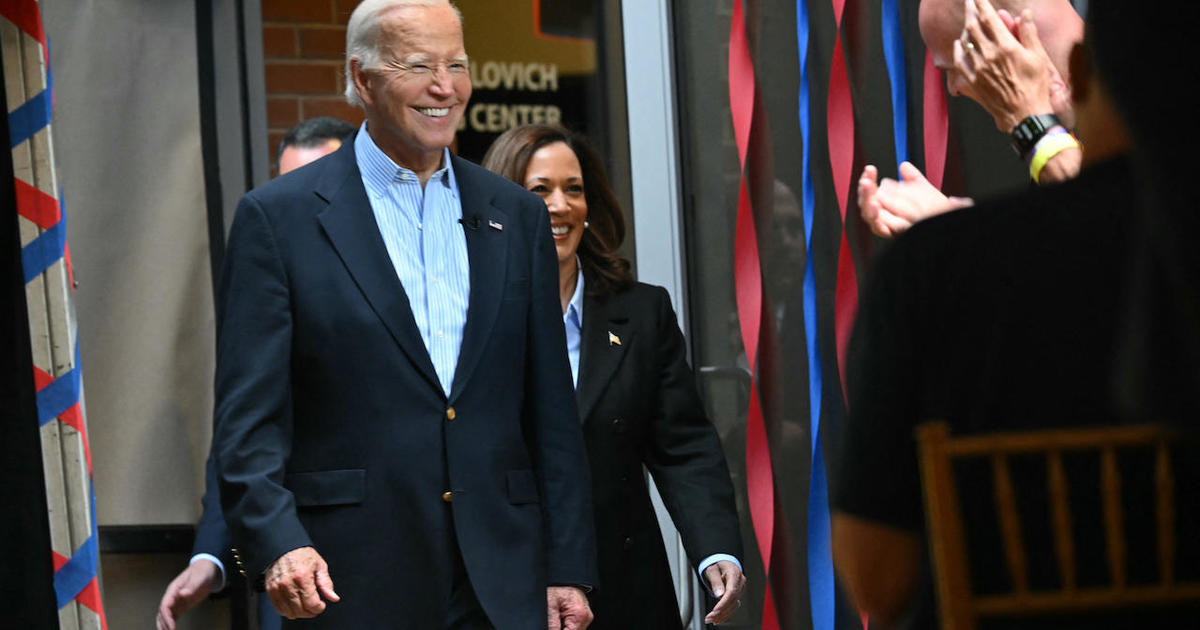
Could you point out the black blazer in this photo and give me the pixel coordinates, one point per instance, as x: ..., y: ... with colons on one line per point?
x: 638, y: 400
x: 333, y: 431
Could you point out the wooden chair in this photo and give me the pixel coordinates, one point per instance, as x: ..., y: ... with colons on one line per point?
x: 961, y: 608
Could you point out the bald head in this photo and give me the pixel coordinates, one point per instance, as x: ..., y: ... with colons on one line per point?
x: 1059, y: 28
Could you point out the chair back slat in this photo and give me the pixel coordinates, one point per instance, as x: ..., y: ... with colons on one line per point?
x: 1164, y: 487
x: 1114, y: 525
x: 947, y: 544
x: 960, y: 607
x: 1064, y: 544
x: 1010, y: 524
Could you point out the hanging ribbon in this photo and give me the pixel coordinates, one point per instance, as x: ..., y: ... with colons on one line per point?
x: 936, y: 123
x: 893, y: 56
x: 760, y: 480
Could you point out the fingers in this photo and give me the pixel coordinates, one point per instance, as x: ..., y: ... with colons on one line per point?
x: 567, y: 609
x: 910, y: 173
x: 325, y: 586
x: 296, y: 582
x: 727, y: 582
x: 1029, y: 33
x: 889, y: 225
x: 164, y: 620
x: 867, y: 185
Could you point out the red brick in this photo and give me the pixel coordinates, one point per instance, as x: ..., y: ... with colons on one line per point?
x: 302, y: 78
x: 322, y: 42
x: 336, y: 107
x: 283, y: 112
x: 274, y: 137
x: 279, y: 41
x: 297, y: 10
x: 343, y: 9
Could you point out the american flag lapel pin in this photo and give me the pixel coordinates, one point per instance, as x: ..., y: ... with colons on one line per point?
x: 613, y: 339
x: 495, y: 225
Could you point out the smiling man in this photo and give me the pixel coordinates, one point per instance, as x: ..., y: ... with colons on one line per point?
x: 394, y: 404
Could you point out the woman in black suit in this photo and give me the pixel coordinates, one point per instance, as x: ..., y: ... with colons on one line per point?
x: 637, y: 396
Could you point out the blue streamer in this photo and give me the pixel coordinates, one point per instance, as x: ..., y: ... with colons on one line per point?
x: 43, y: 251
x: 31, y: 117
x: 893, y: 55
x: 74, y: 576
x: 820, y: 562
x: 77, y: 573
x: 59, y: 396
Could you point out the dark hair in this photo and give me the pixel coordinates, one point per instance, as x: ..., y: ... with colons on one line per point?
x: 604, y: 271
x: 313, y: 132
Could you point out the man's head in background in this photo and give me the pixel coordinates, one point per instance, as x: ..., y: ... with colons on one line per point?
x: 309, y: 140
x: 1059, y: 28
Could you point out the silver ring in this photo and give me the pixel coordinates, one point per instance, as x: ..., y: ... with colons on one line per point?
x: 970, y: 45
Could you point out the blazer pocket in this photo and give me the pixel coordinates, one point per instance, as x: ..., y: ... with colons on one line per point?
x: 522, y: 487
x: 327, y: 487
x: 518, y: 289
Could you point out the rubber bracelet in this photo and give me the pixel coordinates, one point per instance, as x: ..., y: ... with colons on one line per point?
x: 1048, y: 147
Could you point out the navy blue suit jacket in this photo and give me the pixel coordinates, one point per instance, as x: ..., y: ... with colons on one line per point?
x: 333, y: 431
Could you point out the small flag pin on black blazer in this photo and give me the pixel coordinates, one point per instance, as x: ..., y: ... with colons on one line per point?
x: 495, y: 225
x: 613, y: 340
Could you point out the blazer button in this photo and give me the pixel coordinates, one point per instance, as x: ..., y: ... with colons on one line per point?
x: 628, y: 544
x: 618, y: 425
x: 450, y: 413
x: 447, y: 496
x: 242, y: 572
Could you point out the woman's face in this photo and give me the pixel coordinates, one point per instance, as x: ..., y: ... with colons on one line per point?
x: 554, y: 175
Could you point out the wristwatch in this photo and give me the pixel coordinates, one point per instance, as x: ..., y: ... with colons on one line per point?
x: 1029, y: 131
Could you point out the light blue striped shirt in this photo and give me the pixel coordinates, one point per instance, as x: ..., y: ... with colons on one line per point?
x: 426, y: 243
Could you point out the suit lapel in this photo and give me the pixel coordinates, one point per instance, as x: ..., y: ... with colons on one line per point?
x: 351, y: 228
x: 605, y: 337
x: 487, y: 249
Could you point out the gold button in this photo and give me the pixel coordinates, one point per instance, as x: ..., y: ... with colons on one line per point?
x: 450, y: 415
x: 447, y: 496
x: 242, y: 572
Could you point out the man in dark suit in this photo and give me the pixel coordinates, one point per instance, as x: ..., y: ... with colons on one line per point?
x: 394, y: 408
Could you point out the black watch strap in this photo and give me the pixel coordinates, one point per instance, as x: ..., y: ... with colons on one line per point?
x: 1027, y: 132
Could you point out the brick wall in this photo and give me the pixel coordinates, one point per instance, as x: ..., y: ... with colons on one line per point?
x: 304, y: 44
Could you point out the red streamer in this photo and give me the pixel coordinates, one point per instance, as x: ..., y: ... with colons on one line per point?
x: 760, y: 482
x: 936, y: 124
x: 840, y: 120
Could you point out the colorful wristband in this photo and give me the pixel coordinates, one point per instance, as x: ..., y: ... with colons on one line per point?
x: 1046, y: 148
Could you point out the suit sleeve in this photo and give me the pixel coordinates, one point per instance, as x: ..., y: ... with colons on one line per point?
x: 253, y: 392
x: 558, y: 448
x: 684, y: 454
x: 212, y: 535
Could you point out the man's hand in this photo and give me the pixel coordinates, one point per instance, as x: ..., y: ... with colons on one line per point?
x: 189, y: 588
x: 1006, y: 70
x: 567, y: 608
x: 892, y: 207
x: 727, y: 583
x: 297, y: 581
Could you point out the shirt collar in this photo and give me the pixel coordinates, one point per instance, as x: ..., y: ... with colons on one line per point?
x: 576, y: 303
x: 379, y: 171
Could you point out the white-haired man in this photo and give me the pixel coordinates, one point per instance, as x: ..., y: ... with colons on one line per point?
x: 1011, y: 57
x: 394, y: 404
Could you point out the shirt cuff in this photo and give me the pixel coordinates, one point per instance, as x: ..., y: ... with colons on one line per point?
x: 217, y: 588
x: 711, y: 560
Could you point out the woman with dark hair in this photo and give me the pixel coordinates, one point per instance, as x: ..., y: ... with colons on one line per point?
x: 637, y: 397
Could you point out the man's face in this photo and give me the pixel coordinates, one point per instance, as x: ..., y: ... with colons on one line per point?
x: 941, y: 22
x: 416, y: 98
x: 292, y: 158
